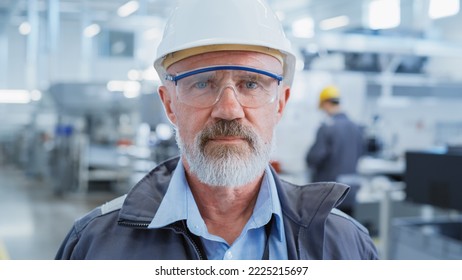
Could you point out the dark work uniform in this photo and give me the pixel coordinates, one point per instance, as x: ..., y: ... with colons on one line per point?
x: 338, y: 146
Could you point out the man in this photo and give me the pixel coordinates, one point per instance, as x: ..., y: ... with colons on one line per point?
x: 227, y: 70
x: 337, y: 148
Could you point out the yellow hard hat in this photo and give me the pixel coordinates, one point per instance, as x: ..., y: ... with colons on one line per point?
x: 329, y: 93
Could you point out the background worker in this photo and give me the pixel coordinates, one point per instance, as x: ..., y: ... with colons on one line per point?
x: 338, y: 145
x: 227, y: 69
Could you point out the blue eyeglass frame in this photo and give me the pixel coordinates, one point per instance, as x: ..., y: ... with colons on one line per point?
x: 176, y: 78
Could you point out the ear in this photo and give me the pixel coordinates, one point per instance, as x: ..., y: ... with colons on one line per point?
x: 282, y: 101
x: 166, y: 98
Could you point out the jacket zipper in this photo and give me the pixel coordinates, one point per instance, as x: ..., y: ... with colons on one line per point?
x: 133, y: 224
x: 191, y: 240
x: 175, y: 228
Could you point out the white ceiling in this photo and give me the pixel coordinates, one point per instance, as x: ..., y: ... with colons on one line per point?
x: 105, y: 10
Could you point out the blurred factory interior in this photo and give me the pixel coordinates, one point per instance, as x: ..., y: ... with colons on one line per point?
x: 81, y: 121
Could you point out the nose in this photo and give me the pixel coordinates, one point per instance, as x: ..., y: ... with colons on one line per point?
x: 227, y: 106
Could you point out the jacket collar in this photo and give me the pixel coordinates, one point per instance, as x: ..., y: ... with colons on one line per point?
x: 303, y: 203
x: 300, y: 203
x: 144, y: 198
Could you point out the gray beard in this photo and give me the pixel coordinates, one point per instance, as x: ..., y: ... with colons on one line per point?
x: 229, y: 166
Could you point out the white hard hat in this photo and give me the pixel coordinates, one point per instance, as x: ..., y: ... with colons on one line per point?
x: 200, y: 26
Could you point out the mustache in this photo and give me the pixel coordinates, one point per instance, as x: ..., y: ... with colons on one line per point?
x: 227, y: 128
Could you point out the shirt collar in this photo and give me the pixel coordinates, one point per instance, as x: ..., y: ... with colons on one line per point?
x: 174, y: 204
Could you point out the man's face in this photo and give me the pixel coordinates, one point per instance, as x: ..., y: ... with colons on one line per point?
x: 227, y: 144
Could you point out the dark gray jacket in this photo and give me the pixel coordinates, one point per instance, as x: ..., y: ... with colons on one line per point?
x: 338, y: 145
x: 118, y: 229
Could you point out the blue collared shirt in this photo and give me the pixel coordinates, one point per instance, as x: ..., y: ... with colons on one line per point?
x: 179, y: 204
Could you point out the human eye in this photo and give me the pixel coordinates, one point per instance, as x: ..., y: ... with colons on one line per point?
x: 251, y: 85
x: 198, y: 82
x: 201, y: 85
x: 247, y: 81
x: 254, y: 83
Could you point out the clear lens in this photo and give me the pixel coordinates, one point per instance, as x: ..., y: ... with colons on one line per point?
x: 202, y: 88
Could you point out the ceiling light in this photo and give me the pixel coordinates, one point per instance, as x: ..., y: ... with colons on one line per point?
x: 134, y: 75
x: 151, y: 75
x: 384, y: 14
x: 443, y: 8
x: 131, y: 94
x: 92, y: 30
x: 35, y: 95
x: 25, y: 28
x: 14, y: 96
x: 130, y: 89
x: 303, y: 28
x: 333, y: 23
x: 116, y: 86
x: 128, y: 8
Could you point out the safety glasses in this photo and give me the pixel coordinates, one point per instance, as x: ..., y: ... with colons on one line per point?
x: 202, y: 88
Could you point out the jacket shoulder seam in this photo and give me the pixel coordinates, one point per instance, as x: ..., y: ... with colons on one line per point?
x: 108, y: 207
x: 112, y: 205
x: 341, y: 214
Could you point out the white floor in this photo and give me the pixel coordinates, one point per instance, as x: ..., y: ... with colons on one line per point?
x: 33, y: 221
